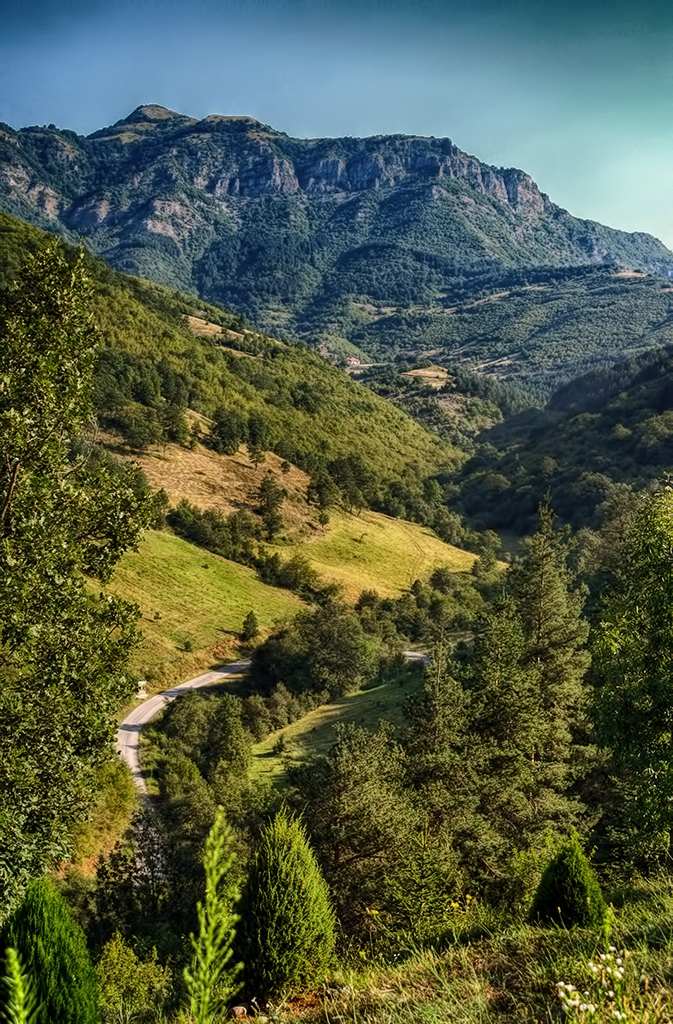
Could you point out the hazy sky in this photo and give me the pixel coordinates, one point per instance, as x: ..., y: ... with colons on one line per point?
x: 577, y: 92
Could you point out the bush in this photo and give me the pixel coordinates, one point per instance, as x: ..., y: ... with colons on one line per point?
x: 130, y: 988
x: 569, y: 892
x: 52, y: 947
x: 287, y: 922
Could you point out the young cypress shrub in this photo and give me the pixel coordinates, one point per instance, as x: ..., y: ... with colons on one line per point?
x: 569, y: 892
x: 287, y: 921
x: 53, y: 949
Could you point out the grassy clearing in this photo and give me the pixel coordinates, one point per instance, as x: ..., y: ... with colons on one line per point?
x: 312, y: 735
x: 377, y: 552
x: 193, y: 604
x: 490, y: 972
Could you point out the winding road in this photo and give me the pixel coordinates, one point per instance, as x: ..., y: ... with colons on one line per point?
x: 128, y: 734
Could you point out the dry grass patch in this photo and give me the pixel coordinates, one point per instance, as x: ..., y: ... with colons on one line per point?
x: 224, y: 482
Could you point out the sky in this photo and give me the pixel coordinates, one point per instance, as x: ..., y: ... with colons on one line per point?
x: 579, y: 93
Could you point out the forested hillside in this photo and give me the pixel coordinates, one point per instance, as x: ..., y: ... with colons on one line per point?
x: 536, y: 329
x: 603, y: 432
x: 251, y: 389
x: 366, y: 242
x: 485, y: 838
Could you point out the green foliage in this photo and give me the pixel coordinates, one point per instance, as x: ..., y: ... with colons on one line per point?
x: 632, y: 703
x: 131, y: 989
x: 53, y: 948
x: 569, y: 893
x: 287, y: 923
x: 250, y: 629
x: 360, y: 819
x: 607, y: 431
x: 325, y: 649
x: 397, y: 249
x: 65, y: 514
x: 210, y: 979
x: 549, y: 601
x: 270, y: 496
x: 19, y: 1000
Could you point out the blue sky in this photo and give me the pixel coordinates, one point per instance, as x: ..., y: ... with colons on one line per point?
x: 578, y: 94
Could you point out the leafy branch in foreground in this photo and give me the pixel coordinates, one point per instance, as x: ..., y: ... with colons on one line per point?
x: 20, y: 1002
x: 211, y: 978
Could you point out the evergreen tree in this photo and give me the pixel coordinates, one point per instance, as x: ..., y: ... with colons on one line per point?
x: 287, y: 920
x: 633, y: 703
x: 569, y: 893
x: 250, y: 627
x: 358, y: 814
x: 19, y: 1003
x: 549, y: 602
x: 53, y: 948
x: 270, y: 496
x: 435, y: 743
x: 210, y: 979
x: 522, y: 793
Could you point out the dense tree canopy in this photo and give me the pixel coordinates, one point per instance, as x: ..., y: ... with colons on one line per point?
x: 66, y: 513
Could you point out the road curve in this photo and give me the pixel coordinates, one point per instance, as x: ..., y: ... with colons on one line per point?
x: 128, y: 734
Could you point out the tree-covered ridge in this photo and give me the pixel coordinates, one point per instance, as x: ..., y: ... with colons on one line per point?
x: 538, y: 329
x: 271, y: 395
x: 602, y: 433
x: 294, y: 231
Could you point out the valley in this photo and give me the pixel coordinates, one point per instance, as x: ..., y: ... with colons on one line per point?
x: 462, y: 754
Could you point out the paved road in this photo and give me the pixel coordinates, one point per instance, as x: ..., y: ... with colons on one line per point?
x: 128, y: 734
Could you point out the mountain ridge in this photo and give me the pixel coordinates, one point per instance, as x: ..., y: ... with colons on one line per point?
x: 296, y: 233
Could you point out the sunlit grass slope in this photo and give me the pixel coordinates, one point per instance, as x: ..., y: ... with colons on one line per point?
x: 313, y: 735
x: 375, y: 552
x: 193, y: 604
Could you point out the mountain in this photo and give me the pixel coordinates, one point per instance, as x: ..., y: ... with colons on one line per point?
x: 333, y: 240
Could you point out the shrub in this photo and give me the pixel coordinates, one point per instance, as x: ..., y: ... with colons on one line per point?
x: 130, y: 988
x: 287, y: 920
x: 53, y: 948
x: 569, y: 892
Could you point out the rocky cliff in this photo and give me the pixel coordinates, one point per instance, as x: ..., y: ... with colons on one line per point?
x: 296, y: 232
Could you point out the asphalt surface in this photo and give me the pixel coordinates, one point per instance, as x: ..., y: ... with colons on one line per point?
x: 128, y: 734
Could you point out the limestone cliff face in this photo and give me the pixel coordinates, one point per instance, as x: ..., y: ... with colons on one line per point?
x: 245, y: 215
x: 233, y: 156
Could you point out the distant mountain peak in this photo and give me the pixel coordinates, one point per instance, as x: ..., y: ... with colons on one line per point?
x: 153, y: 112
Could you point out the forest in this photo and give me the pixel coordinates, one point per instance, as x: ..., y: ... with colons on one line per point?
x: 500, y: 852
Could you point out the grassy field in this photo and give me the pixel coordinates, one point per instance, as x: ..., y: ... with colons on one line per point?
x: 193, y: 604
x: 376, y: 552
x: 312, y: 735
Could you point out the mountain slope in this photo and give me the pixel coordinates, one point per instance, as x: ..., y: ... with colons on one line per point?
x: 279, y: 397
x: 611, y: 428
x: 293, y: 231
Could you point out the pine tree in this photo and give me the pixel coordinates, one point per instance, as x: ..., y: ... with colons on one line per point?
x: 53, y: 949
x: 287, y: 919
x: 633, y: 705
x: 549, y: 603
x: 210, y: 979
x: 18, y: 1003
x: 521, y: 793
x: 250, y: 627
